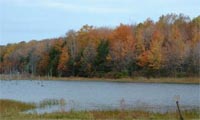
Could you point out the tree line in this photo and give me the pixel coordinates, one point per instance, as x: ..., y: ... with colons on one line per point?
x: 169, y: 47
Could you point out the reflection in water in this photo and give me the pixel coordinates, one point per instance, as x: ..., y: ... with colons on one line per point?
x: 89, y: 95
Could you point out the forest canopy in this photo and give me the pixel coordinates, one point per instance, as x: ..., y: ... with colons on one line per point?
x: 167, y: 47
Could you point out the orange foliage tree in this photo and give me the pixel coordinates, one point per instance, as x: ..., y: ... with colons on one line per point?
x: 122, y: 46
x: 63, y: 62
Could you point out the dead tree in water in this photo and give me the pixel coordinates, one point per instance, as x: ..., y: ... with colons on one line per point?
x: 179, y: 111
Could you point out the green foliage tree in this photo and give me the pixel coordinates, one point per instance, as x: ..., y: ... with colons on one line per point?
x: 100, y: 63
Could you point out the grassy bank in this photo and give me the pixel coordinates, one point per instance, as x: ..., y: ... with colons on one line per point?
x: 184, y: 80
x: 12, y: 107
x: 12, y: 110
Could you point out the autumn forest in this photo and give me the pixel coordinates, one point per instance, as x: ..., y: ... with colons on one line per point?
x: 169, y: 47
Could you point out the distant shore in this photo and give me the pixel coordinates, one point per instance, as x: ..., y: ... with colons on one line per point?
x: 182, y: 80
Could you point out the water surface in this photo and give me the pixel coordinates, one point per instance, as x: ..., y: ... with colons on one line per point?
x: 90, y: 95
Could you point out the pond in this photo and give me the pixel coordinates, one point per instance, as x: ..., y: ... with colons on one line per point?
x: 93, y: 95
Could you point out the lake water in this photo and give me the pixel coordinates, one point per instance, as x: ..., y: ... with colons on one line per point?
x: 89, y: 95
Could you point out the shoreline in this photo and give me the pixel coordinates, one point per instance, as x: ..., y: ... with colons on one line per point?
x: 18, y: 113
x: 168, y: 80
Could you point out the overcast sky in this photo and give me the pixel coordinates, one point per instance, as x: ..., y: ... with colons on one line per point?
x: 25, y: 20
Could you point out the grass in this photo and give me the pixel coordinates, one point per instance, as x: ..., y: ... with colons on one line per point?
x: 184, y: 80
x: 12, y: 107
x: 51, y: 102
x: 15, y: 109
